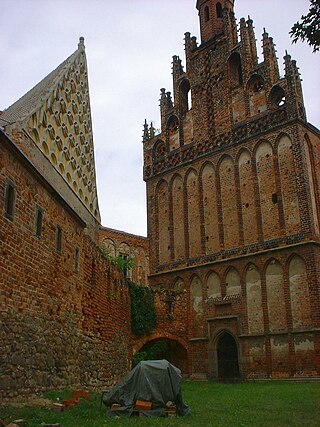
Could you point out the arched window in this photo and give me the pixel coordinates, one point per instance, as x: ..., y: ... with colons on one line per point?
x: 173, y: 124
x: 206, y: 14
x: 233, y: 282
x: 235, y: 70
x: 213, y: 286
x: 257, y: 96
x: 196, y: 295
x: 173, y: 132
x: 219, y: 10
x: 159, y: 150
x: 184, y: 96
x: 277, y: 97
x: 10, y: 200
x: 110, y: 247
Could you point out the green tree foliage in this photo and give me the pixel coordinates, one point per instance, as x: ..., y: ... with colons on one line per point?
x: 123, y: 264
x: 308, y: 29
x: 152, y: 351
x: 143, y: 312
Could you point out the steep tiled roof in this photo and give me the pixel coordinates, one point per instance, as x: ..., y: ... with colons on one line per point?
x: 32, y: 100
x: 56, y: 115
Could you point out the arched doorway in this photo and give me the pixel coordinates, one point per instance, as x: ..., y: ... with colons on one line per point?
x: 227, y: 354
x: 164, y: 348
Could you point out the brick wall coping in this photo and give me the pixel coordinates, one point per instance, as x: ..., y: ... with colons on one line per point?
x: 124, y: 233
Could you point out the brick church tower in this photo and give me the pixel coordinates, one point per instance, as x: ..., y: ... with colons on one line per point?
x: 233, y: 208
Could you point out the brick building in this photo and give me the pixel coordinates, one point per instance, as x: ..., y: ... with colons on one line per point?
x: 233, y: 208
x: 126, y: 245
x: 64, y: 310
x: 232, y: 252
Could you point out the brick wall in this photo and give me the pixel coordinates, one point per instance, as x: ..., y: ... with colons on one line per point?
x: 268, y: 301
x: 255, y: 198
x: 233, y: 210
x: 64, y: 323
x: 137, y: 247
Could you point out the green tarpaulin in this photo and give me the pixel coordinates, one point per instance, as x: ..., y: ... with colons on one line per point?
x: 155, y: 381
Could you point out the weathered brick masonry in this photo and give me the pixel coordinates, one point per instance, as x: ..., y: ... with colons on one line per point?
x: 65, y: 310
x: 120, y: 243
x: 233, y: 249
x: 63, y: 322
x: 233, y: 207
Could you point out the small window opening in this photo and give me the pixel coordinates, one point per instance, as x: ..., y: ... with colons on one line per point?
x: 159, y: 150
x: 58, y: 239
x: 185, y: 97
x: 10, y: 198
x: 126, y: 272
x: 173, y: 124
x: 38, y: 221
x: 277, y: 97
x: 219, y: 10
x: 206, y: 14
x: 76, y: 259
x: 274, y: 198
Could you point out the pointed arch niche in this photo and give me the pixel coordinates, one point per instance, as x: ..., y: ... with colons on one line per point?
x: 233, y: 282
x: 193, y: 201
x: 184, y: 97
x: 229, y: 203
x: 213, y: 286
x: 235, y: 70
x: 254, y: 300
x: 299, y: 294
x: 111, y: 247
x: 173, y: 132
x: 289, y: 185
x: 267, y: 191
x: 248, y: 204
x: 210, y: 211
x: 163, y: 222
x: 196, y: 302
x: 275, y: 297
x: 196, y: 295
x: 178, y: 218
x: 257, y: 95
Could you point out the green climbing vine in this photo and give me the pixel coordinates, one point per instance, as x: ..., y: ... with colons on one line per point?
x: 123, y: 264
x: 143, y: 312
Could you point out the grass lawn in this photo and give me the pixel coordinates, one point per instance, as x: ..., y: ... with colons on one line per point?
x: 271, y: 404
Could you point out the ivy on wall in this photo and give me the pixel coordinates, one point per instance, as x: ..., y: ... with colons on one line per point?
x: 143, y: 312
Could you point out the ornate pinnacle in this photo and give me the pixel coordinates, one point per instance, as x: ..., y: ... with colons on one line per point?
x: 81, y: 43
x: 146, y: 135
x: 152, y: 130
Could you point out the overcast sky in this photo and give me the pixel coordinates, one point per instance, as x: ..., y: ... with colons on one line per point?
x: 129, y: 47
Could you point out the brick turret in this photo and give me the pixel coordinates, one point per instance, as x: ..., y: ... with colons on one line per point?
x: 211, y: 15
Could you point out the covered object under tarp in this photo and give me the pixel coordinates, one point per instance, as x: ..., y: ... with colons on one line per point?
x: 155, y: 381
